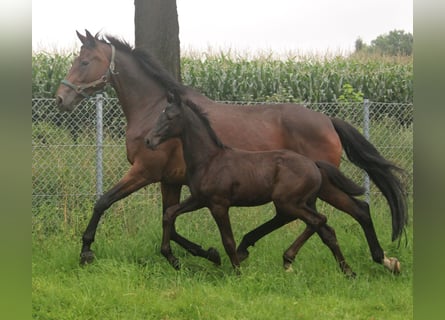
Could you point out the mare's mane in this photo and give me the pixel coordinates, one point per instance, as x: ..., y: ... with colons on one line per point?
x: 149, y: 64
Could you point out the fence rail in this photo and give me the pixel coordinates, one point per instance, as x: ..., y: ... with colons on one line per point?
x: 82, y: 153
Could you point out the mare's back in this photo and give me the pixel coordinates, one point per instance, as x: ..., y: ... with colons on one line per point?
x: 274, y: 126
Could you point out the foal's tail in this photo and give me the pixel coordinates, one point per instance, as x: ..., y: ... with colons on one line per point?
x: 339, y: 180
x: 381, y: 171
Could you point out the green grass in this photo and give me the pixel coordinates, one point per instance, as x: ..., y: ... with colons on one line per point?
x: 131, y: 280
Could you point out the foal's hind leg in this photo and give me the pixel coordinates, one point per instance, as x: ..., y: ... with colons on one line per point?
x: 291, y: 252
x: 170, y: 197
x: 327, y: 235
x: 253, y: 236
x: 317, y: 222
x: 359, y: 210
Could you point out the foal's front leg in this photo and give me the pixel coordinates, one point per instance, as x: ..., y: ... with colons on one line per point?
x: 221, y: 216
x: 170, y: 197
x: 168, y: 222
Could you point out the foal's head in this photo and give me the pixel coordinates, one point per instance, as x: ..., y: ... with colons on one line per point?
x: 170, y: 124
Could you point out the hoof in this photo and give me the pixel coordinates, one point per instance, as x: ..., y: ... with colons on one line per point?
x: 392, y: 264
x: 242, y: 255
x: 86, y: 257
x: 213, y: 255
x: 287, y: 263
x: 175, y: 264
x: 350, y: 274
x: 288, y: 267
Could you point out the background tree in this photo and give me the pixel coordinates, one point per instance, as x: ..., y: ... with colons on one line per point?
x: 157, y: 29
x: 396, y: 42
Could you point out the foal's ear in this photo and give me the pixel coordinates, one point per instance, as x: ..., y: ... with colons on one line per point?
x: 170, y: 97
x: 173, y: 98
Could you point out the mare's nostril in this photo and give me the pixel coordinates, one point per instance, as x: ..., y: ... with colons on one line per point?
x: 59, y: 100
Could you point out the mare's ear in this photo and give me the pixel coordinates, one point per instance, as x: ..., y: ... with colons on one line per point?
x: 91, y: 40
x: 82, y: 38
x: 88, y: 41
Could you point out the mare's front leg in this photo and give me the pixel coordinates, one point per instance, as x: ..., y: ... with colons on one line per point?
x: 168, y: 221
x: 170, y: 197
x: 131, y: 182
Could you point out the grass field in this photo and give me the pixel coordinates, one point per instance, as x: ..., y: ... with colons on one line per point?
x: 131, y: 280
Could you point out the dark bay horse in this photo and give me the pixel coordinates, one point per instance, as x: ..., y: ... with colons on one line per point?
x: 142, y: 84
x: 220, y: 177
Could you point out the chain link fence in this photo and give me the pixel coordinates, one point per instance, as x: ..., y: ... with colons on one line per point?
x: 71, y: 162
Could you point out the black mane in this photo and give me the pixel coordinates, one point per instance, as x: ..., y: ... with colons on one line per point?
x: 149, y: 64
x: 205, y: 120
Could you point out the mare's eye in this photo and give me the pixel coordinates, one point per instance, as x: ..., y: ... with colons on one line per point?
x: 84, y: 63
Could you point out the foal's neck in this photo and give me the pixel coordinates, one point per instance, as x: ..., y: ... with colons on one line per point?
x: 199, y: 146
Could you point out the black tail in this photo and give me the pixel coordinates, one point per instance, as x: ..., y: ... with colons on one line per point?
x: 339, y: 180
x: 381, y: 171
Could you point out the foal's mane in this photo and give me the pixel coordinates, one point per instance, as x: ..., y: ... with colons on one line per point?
x: 149, y: 64
x: 205, y: 120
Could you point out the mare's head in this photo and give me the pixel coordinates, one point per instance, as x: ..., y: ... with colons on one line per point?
x: 170, y: 123
x: 90, y: 72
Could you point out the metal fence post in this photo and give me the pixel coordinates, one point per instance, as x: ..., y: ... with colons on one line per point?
x: 99, y: 144
x: 366, y: 134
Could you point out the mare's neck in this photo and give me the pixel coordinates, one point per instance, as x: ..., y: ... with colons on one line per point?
x: 139, y: 95
x: 198, y: 146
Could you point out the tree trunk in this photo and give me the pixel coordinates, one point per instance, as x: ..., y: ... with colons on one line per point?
x: 157, y: 29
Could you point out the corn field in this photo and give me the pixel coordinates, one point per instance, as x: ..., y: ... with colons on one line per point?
x: 227, y: 77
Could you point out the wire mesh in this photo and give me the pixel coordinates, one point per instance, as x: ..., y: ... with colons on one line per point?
x: 64, y: 146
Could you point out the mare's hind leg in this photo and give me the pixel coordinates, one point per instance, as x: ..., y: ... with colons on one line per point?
x: 131, y: 182
x: 359, y: 210
x: 170, y: 197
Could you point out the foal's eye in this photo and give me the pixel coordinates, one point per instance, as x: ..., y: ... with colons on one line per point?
x: 84, y: 62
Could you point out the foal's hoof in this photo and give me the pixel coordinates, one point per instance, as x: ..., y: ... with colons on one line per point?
x: 175, y: 264
x: 350, y: 274
x: 288, y: 267
x: 86, y: 257
x: 287, y: 263
x: 242, y: 255
x: 213, y: 255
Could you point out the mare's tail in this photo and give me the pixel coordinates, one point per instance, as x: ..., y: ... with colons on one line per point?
x: 381, y: 171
